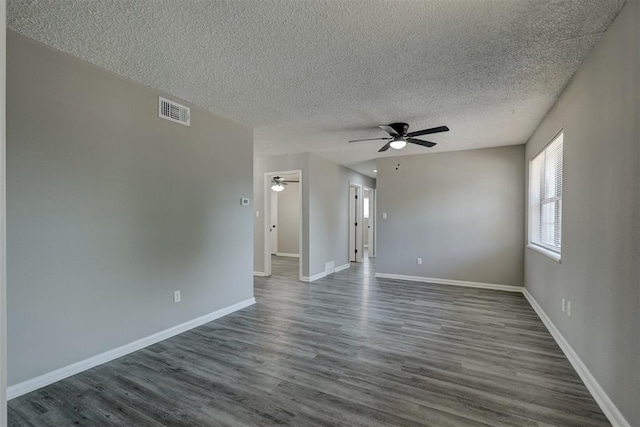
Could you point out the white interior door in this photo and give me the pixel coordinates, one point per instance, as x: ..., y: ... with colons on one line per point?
x: 355, y: 223
x: 273, y: 229
x: 358, y: 225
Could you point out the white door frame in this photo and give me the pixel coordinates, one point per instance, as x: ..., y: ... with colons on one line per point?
x: 359, y: 239
x: 372, y: 221
x: 267, y: 220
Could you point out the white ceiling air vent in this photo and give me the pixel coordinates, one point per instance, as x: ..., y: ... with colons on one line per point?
x: 173, y: 111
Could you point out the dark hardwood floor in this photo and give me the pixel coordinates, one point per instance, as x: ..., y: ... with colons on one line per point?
x: 348, y: 350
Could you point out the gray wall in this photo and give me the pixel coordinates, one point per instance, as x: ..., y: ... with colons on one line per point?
x: 461, y: 212
x: 289, y: 219
x: 329, y: 211
x: 599, y: 113
x: 3, y: 288
x: 110, y: 209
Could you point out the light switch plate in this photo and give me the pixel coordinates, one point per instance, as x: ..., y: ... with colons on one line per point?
x: 244, y: 201
x: 384, y: 215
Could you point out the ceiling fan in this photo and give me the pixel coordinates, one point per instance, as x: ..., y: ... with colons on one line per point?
x: 399, y: 136
x: 278, y: 183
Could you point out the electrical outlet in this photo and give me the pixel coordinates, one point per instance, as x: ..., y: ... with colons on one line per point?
x: 176, y: 296
x: 569, y: 308
x: 419, y: 261
x: 564, y: 305
x: 384, y: 215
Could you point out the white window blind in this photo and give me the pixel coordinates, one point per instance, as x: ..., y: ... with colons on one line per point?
x: 545, y: 197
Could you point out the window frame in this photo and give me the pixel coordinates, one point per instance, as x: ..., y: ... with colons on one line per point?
x: 555, y: 200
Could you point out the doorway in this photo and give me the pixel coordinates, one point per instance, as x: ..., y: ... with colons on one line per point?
x: 273, y: 231
x: 368, y: 221
x: 283, y: 223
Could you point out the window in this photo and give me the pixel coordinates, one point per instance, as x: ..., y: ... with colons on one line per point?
x: 366, y: 207
x: 545, y: 199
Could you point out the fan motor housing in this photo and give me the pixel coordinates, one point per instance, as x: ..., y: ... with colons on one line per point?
x: 401, y: 128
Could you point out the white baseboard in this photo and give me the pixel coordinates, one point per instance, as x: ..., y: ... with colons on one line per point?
x: 600, y: 396
x: 324, y: 274
x: 288, y: 255
x: 451, y: 282
x: 342, y: 267
x: 314, y: 277
x: 260, y: 273
x: 75, y: 368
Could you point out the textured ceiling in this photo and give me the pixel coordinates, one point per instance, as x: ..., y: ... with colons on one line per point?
x: 310, y: 75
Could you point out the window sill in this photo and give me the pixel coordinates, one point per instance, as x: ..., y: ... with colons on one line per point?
x: 554, y: 256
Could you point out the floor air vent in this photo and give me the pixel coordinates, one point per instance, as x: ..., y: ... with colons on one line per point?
x: 173, y: 111
x: 330, y: 267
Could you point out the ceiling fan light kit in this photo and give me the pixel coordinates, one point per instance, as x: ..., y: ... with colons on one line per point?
x: 398, y: 143
x: 278, y: 183
x: 398, y: 136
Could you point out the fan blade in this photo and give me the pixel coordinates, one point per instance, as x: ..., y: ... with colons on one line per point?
x: 421, y: 142
x: 385, y: 148
x: 368, y: 139
x: 391, y: 131
x: 428, y: 131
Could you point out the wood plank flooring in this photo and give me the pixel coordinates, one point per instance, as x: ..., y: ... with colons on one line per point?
x: 347, y: 350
